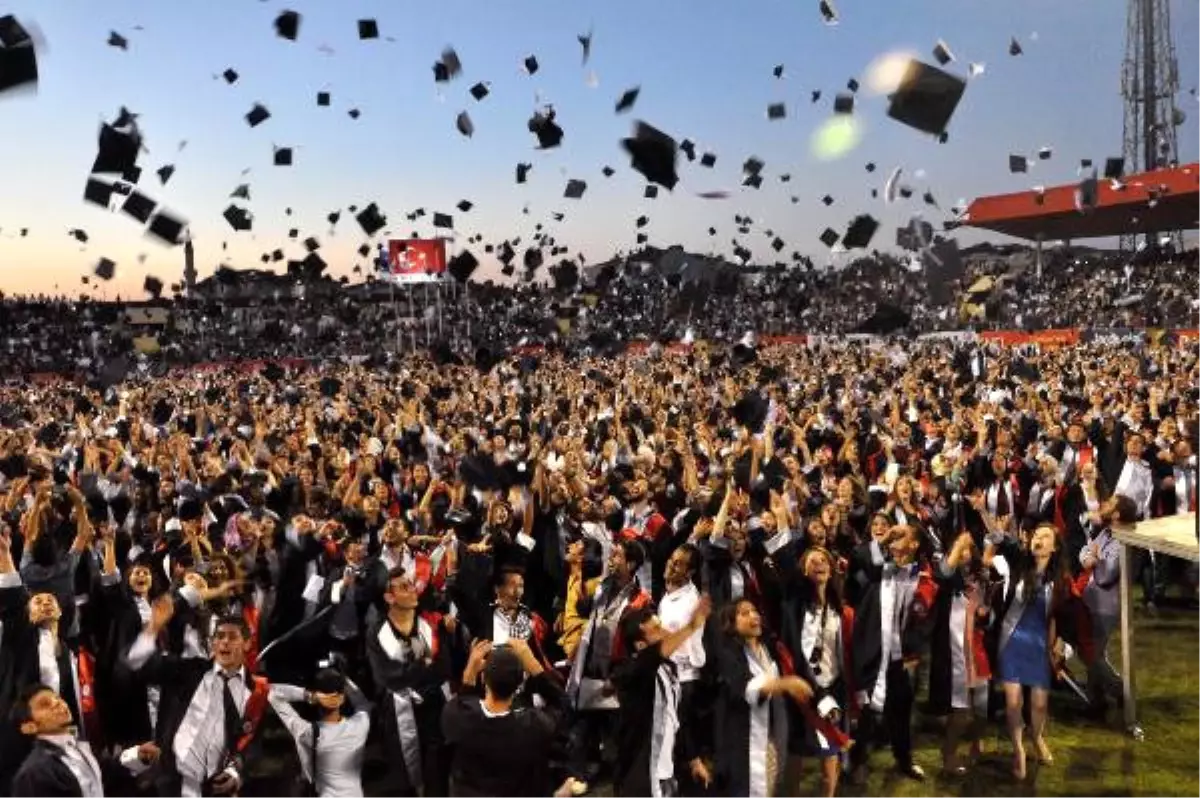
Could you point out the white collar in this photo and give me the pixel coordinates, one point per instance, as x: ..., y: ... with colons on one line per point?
x: 240, y: 673
x: 487, y: 713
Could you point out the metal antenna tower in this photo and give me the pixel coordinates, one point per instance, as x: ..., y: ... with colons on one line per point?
x: 1149, y: 83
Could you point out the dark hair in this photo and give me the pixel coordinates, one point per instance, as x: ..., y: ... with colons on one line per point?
x: 727, y: 618
x: 693, y: 556
x: 329, y: 680
x: 1126, y: 511
x: 631, y: 626
x: 635, y: 554
x: 234, y: 619
x: 20, y: 714
x: 503, y: 673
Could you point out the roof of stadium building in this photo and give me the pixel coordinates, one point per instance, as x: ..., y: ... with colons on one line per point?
x: 1149, y: 202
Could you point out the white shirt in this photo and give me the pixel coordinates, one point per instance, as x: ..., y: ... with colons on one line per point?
x: 1136, y: 483
x: 78, y: 758
x: 340, y: 746
x: 675, y: 612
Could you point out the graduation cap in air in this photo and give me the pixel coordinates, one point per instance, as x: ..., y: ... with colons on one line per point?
x: 859, y: 233
x: 98, y: 192
x: 523, y: 171
x: 642, y: 221
x: 371, y: 220
x: 139, y: 206
x: 829, y: 237
x: 829, y: 14
x: 464, y: 125
x: 585, y: 45
x: 548, y: 133
x: 533, y: 258
x: 479, y: 91
x: 153, y: 286
x: 117, y: 40
x: 575, y: 189
x: 465, y: 205
x: 368, y: 29
x: 230, y: 75
x: 165, y: 172
x: 242, y: 191
x: 118, y: 151
x: 257, y: 115
x: 287, y: 25
x: 323, y: 98
x: 354, y: 113
x: 443, y: 220
x: 827, y: 200
x: 708, y: 160
x: 1014, y: 47
x: 941, y: 52
x: 688, y: 148
x: 462, y: 266
x: 852, y: 85
x: 1114, y: 168
x: 653, y: 154
x: 166, y: 227
x: 627, y: 99
x: 79, y: 235
x: 651, y: 192
x: 283, y: 156
x: 452, y: 62
x: 753, y: 181
x: 333, y: 217
x: 843, y: 103
x: 312, y: 244
x: 105, y: 269
x: 1018, y: 164
x: 18, y: 58
x: 776, y: 111
x: 531, y: 64
x: 777, y: 71
x: 926, y: 97
x: 1044, y: 153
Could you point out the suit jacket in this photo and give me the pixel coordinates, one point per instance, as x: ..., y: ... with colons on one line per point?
x: 45, y: 773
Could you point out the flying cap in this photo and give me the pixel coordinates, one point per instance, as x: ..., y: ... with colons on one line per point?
x: 654, y: 154
x: 926, y: 97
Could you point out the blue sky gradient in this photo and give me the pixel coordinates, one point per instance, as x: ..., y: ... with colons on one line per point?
x: 704, y: 67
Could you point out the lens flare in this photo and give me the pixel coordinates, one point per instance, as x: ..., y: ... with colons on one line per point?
x: 885, y: 72
x: 836, y: 137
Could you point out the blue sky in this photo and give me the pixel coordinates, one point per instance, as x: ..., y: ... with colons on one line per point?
x: 704, y: 67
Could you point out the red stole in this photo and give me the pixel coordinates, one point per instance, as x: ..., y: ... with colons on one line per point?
x: 831, y: 731
x: 86, y: 666
x: 256, y: 708
x: 250, y: 616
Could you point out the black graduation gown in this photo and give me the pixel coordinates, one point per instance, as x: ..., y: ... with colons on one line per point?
x: 636, y: 682
x: 732, y: 730
x: 44, y: 773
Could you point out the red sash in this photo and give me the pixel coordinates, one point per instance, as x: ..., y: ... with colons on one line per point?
x: 256, y: 709
x: 86, y: 665
x: 250, y: 616
x: 836, y: 737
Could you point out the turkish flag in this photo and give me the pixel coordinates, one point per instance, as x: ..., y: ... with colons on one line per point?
x: 417, y: 256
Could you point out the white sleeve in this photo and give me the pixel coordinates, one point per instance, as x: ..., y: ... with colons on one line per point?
x: 141, y: 651
x: 754, y: 688
x: 132, y: 762
x: 281, y: 697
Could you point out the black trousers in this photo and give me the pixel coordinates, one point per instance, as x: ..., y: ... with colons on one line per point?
x: 896, y: 718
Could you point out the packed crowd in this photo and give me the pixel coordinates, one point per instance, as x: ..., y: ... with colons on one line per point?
x: 694, y: 574
x: 633, y: 302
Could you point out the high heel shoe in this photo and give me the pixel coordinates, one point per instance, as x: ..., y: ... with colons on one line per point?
x: 1045, y: 755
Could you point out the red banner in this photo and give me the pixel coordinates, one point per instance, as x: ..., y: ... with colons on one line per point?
x: 1046, y: 338
x: 416, y: 259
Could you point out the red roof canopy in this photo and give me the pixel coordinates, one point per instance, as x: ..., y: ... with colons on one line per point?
x: 1149, y: 202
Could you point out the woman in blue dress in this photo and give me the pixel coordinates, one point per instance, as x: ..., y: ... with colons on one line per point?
x: 1035, y: 584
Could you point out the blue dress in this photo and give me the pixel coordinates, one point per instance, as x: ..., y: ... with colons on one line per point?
x: 1025, y: 659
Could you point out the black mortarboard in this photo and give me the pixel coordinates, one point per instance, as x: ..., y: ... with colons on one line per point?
x: 1014, y: 47
x: 283, y: 156
x: 314, y: 264
x: 118, y: 151
x: 443, y: 220
x: 507, y: 270
x: 165, y: 172
x: 628, y: 99
x: 870, y: 166
x: 79, y: 235
x: 462, y: 265
x: 153, y: 286
x: 928, y: 199
x: 585, y: 44
x: 575, y: 189
x: 451, y: 61
x: 105, y: 269
x: 852, y: 85
x: 653, y: 154
x: 778, y: 244
x: 533, y: 258
x: 277, y: 256
x: 816, y: 95
x: 941, y: 51
x: 139, y: 206
x: 18, y: 59
x: 827, y: 200
x: 531, y: 64
x: 642, y: 238
x: 753, y: 165
x: 354, y: 113
x: 12, y: 34
x: 859, y: 233
x: 465, y: 206
x: 1018, y: 164
x: 776, y: 111
x: 1114, y: 168
x: 257, y: 115
x: 753, y: 181
x: 117, y: 40
x: 132, y: 175
x: 464, y: 124
x: 651, y: 192
x: 785, y: 178
x: 242, y: 192
x: 688, y: 148
x: 829, y: 237
x: 287, y: 25
x: 777, y: 71
x: 1044, y: 153
x: 312, y: 244
x: 828, y: 12
x: 230, y: 76
x: 548, y: 133
x: 333, y: 217
x: 708, y: 159
x: 371, y: 220
x: 905, y: 192
x: 843, y: 103
x: 323, y: 98
x: 368, y: 29
x: 294, y: 233
x: 166, y: 227
x: 364, y: 250
x: 642, y: 221
x: 440, y: 73
x: 97, y: 192
x: 479, y: 90
x: 523, y: 171
x: 926, y: 97
x: 608, y: 171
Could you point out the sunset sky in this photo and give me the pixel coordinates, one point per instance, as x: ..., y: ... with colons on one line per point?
x: 705, y: 72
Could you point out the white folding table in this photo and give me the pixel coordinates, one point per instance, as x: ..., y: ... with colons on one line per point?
x: 1174, y: 536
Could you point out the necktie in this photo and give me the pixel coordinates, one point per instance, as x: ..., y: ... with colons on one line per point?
x: 233, y: 717
x: 1002, y: 505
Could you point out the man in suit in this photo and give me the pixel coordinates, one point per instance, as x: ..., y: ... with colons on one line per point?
x: 499, y: 749
x: 1101, y: 561
x: 210, y: 709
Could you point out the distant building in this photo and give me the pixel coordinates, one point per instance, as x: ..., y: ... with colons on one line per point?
x: 189, y: 268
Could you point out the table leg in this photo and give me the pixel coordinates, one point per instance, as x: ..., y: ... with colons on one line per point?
x: 1131, y: 723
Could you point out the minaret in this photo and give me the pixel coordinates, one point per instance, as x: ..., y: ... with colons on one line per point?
x: 189, y: 268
